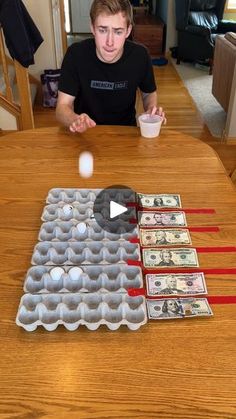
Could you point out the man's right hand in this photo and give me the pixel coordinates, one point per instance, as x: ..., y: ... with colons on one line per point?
x: 81, y: 123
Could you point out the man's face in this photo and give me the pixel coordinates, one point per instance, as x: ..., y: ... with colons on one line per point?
x: 166, y: 257
x: 157, y: 218
x: 171, y: 282
x: 160, y: 235
x: 171, y: 305
x: 110, y: 32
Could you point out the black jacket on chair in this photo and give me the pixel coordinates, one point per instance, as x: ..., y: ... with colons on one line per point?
x: 198, y: 22
x: 21, y: 35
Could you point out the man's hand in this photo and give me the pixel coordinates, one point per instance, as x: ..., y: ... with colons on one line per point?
x: 154, y: 110
x: 81, y: 123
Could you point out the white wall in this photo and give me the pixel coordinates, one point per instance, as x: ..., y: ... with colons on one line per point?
x: 45, y: 57
x: 166, y: 11
x: 171, y: 33
x: 7, y: 121
x: 230, y: 127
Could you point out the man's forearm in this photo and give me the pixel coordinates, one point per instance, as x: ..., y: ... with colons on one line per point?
x: 149, y: 100
x: 65, y: 114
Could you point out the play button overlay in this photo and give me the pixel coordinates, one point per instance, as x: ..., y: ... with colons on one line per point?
x: 114, y: 209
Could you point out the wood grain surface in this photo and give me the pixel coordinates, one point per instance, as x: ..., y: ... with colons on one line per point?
x: 167, y: 369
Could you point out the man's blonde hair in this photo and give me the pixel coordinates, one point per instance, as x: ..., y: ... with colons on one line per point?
x: 111, y: 7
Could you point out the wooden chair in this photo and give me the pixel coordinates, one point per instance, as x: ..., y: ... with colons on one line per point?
x: 233, y: 176
x: 22, y: 112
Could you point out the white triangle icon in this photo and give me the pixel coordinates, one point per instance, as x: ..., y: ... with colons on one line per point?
x: 116, y: 209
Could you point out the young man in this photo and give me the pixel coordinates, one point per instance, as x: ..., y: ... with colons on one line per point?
x: 100, y: 76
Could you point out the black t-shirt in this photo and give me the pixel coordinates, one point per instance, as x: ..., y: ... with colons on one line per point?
x: 106, y: 92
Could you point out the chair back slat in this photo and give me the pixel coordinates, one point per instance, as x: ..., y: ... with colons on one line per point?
x: 26, y: 119
x: 8, y: 94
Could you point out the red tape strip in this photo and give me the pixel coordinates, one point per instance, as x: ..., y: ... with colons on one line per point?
x: 212, y: 229
x: 212, y: 299
x: 224, y: 249
x: 131, y: 262
x: 134, y: 240
x: 209, y: 271
x: 186, y: 210
x: 131, y: 204
x: 133, y: 221
x: 220, y: 249
x: 204, y: 229
x: 221, y: 299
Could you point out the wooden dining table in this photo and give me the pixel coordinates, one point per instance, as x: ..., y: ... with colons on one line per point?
x: 184, y: 368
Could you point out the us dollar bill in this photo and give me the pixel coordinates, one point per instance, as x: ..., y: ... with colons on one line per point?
x: 177, y: 308
x: 164, y: 237
x: 169, y: 258
x: 159, y: 201
x: 179, y: 284
x: 162, y: 219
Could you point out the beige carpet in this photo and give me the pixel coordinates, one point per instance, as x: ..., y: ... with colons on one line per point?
x: 199, y: 85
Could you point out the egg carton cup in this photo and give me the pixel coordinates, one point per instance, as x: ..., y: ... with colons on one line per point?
x: 81, y: 253
x: 69, y: 231
x: 74, y: 310
x: 108, y: 278
x: 88, y: 196
x: 80, y: 212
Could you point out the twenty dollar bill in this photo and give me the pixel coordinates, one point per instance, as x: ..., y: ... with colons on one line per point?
x: 171, y: 257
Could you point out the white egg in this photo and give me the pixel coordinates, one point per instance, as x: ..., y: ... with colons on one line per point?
x: 81, y: 227
x: 67, y: 209
x: 86, y: 164
x: 56, y: 273
x: 74, y: 273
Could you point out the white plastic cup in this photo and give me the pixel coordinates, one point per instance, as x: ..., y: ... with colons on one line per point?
x: 150, y: 125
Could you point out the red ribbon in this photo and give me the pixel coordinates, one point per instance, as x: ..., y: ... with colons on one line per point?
x: 186, y: 210
x: 219, y: 249
x: 212, y: 299
x: 209, y: 271
x: 210, y: 229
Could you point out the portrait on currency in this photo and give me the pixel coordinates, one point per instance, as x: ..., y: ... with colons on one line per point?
x: 166, y: 258
x: 165, y: 309
x: 180, y: 284
x: 159, y: 201
x: 162, y: 219
x: 176, y: 308
x: 159, y: 258
x: 164, y: 237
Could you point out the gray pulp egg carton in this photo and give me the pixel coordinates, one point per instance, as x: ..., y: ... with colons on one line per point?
x: 80, y: 212
x: 88, y: 196
x: 69, y: 231
x: 84, y: 253
x: 73, y: 310
x: 103, y: 278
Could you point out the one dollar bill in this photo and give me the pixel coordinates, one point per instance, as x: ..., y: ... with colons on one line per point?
x: 171, y: 257
x: 176, y: 284
x: 159, y: 201
x: 164, y: 237
x: 162, y: 219
x: 177, y: 308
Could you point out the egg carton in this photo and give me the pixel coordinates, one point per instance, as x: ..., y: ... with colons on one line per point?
x: 88, y: 196
x: 108, y: 278
x: 70, y: 231
x: 81, y: 253
x: 81, y: 212
x: 74, y: 310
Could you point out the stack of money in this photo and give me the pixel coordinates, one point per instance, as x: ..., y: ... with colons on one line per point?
x: 162, y: 235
